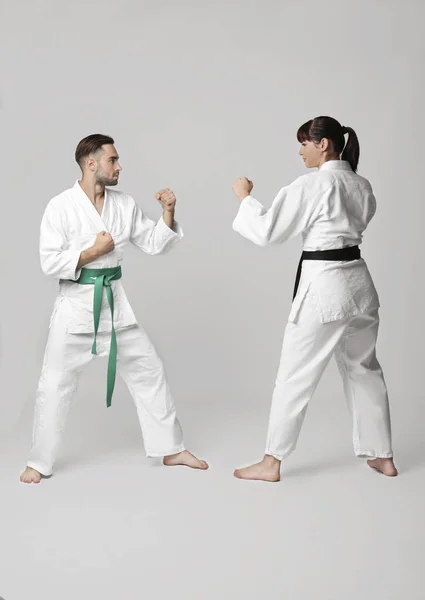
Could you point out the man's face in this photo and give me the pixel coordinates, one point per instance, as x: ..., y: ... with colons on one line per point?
x: 107, y: 167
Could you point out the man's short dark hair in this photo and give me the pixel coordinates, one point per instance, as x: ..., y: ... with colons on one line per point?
x: 90, y: 145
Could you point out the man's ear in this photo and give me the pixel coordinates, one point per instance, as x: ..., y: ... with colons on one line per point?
x: 91, y: 163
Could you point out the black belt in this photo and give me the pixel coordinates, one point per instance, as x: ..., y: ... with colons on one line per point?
x: 348, y: 253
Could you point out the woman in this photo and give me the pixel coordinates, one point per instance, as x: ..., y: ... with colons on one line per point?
x: 335, y: 304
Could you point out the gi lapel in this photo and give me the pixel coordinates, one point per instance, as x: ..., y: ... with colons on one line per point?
x: 86, y: 205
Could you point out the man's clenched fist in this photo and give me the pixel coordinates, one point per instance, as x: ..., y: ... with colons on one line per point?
x: 104, y: 243
x: 167, y: 198
x: 242, y: 187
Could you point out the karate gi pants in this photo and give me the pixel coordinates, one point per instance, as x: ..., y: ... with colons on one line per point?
x: 139, y: 366
x: 307, y: 348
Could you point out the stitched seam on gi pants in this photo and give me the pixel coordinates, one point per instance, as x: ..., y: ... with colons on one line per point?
x: 356, y: 439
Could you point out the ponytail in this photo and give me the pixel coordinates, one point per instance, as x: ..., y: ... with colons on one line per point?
x: 351, y: 151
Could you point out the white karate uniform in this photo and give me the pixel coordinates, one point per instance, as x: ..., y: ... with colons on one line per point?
x: 335, y: 310
x: 70, y: 224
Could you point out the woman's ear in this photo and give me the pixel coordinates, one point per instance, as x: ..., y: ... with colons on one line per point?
x: 324, y: 144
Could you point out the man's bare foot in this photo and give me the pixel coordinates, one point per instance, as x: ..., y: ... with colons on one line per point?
x: 383, y: 465
x: 185, y: 458
x: 30, y: 475
x: 266, y: 470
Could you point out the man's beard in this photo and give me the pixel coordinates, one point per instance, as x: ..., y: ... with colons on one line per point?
x: 107, y: 181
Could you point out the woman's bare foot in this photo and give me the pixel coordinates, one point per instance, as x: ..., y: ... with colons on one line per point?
x: 30, y: 475
x: 383, y: 465
x: 185, y: 458
x: 266, y: 470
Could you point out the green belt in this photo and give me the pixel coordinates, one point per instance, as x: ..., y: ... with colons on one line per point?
x: 101, y: 278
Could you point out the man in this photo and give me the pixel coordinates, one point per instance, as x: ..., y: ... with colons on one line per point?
x: 82, y: 238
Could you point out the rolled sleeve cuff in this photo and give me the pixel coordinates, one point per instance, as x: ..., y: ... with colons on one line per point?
x: 66, y: 270
x: 176, y: 232
x: 74, y: 271
x: 249, y: 205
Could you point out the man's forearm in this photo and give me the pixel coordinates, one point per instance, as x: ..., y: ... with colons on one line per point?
x: 87, y: 256
x: 168, y: 217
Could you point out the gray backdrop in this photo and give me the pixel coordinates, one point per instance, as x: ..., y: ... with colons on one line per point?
x: 197, y: 94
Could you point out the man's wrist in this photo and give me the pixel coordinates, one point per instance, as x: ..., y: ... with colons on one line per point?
x: 94, y: 253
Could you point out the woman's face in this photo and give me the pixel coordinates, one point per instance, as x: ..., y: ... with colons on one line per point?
x: 311, y: 153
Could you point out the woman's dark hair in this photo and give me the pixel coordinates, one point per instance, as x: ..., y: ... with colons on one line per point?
x: 91, y: 145
x: 327, y: 127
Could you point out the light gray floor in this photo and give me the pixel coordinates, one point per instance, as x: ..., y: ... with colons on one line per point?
x: 111, y: 524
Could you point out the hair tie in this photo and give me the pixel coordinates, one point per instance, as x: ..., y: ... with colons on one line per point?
x: 344, y: 130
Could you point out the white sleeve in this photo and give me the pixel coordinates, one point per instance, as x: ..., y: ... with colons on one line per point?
x: 291, y: 212
x: 151, y: 237
x: 56, y: 260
